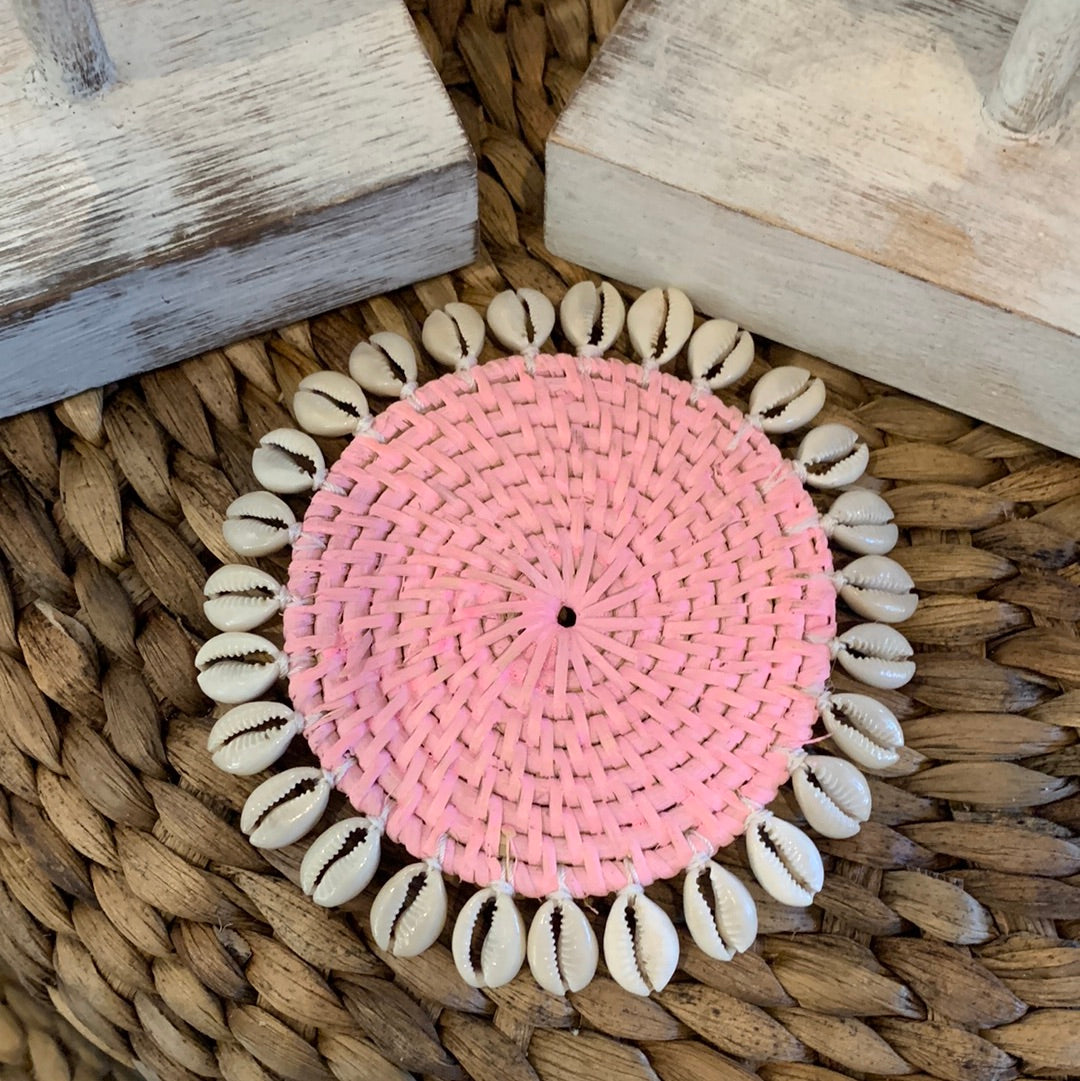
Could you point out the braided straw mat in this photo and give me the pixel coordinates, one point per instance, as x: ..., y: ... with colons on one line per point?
x: 942, y: 944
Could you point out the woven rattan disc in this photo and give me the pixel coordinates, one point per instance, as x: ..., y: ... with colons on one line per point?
x: 574, y: 621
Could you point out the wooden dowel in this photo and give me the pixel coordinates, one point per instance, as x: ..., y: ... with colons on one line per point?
x: 71, y: 52
x: 1042, y: 58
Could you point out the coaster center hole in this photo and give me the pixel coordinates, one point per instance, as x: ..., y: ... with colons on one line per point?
x: 567, y: 617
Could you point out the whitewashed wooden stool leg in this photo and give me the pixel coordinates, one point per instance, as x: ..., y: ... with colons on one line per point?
x: 1041, y: 61
x: 72, y: 58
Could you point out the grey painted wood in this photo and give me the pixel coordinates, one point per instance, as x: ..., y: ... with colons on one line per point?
x: 824, y: 172
x: 255, y: 161
x: 155, y: 315
x: 72, y: 60
x: 1041, y: 61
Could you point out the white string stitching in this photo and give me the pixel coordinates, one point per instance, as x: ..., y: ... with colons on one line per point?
x: 699, y: 388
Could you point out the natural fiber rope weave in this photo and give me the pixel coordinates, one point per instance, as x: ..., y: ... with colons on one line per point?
x: 427, y: 652
x: 944, y: 942
x: 35, y: 1041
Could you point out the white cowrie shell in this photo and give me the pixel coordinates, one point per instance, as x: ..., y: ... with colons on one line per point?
x: 786, y: 398
x: 384, y: 365
x: 285, y: 807
x: 521, y: 320
x: 878, y: 588
x: 454, y: 335
x: 863, y: 728
x: 659, y: 323
x: 641, y: 945
x: 720, y: 353
x: 832, y: 456
x: 720, y: 913
x: 239, y: 598
x: 784, y: 860
x: 251, y: 737
x: 237, y: 667
x: 861, y: 521
x: 489, y: 939
x: 257, y: 524
x: 288, y: 461
x: 592, y: 318
x: 406, y: 929
x: 876, y: 654
x: 341, y: 861
x: 562, y: 948
x: 329, y: 404
x: 832, y: 794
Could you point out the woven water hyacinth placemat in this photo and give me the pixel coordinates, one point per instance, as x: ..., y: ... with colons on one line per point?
x: 941, y: 943
x: 36, y: 1042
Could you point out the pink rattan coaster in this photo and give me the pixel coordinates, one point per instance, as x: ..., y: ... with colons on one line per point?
x: 686, y: 565
x: 560, y: 626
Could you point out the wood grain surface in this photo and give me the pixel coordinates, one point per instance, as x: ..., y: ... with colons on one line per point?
x: 252, y: 160
x: 823, y: 173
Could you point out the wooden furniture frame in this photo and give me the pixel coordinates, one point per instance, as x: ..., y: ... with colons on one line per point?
x: 893, y: 186
x: 226, y: 165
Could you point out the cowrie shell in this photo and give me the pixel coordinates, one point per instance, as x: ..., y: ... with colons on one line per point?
x: 329, y: 404
x: 592, y: 317
x: 831, y: 456
x: 285, y: 807
x: 384, y: 365
x: 454, y: 335
x: 288, y: 461
x: 521, y: 320
x: 720, y: 913
x: 861, y: 521
x: 562, y: 948
x: 341, y: 861
x: 237, y: 667
x: 832, y: 794
x: 659, y: 323
x: 878, y: 588
x: 251, y: 737
x: 239, y: 598
x: 864, y: 729
x: 784, y: 860
x: 877, y: 655
x: 489, y: 939
x: 257, y: 524
x: 641, y: 945
x: 720, y: 353
x: 786, y: 398
x: 408, y: 913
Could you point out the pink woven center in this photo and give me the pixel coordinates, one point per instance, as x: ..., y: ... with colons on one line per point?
x: 561, y: 626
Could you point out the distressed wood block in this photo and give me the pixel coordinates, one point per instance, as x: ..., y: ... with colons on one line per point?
x: 257, y: 161
x: 823, y: 172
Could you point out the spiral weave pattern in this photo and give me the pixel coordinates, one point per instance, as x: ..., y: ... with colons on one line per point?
x: 566, y: 626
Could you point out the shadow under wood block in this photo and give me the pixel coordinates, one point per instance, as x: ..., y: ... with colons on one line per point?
x: 247, y: 164
x: 826, y: 173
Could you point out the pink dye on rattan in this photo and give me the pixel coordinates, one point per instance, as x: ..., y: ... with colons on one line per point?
x: 428, y: 647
